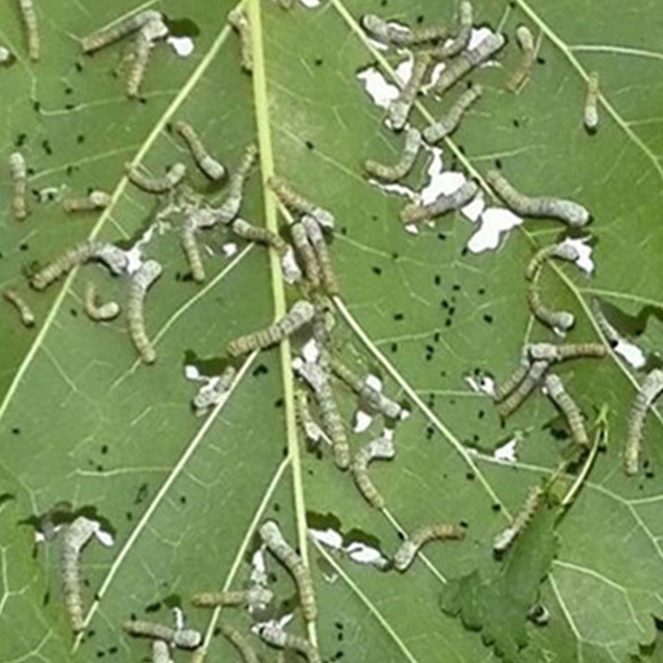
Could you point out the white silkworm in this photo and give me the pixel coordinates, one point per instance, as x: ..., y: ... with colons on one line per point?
x: 160, y: 652
x: 399, y: 108
x: 556, y: 353
x: 94, y: 310
x: 213, y: 393
x: 19, y: 175
x: 398, y: 170
x: 507, y: 536
x: 204, y: 160
x: 306, y: 253
x: 526, y: 386
x: 398, y: 35
x: 273, y: 634
x: 319, y: 244
x: 381, y: 448
x: 192, y: 250
x: 31, y: 27
x: 233, y: 202
x: 298, y: 203
x: 461, y: 39
x: 242, y: 597
x: 559, y: 396
x: 563, y: 251
x: 184, y: 638
x: 311, y: 429
x: 253, y: 233
x: 449, y: 123
x: 95, y: 200
x: 115, y: 32
x: 141, y: 280
x: 560, y: 321
x: 591, y: 110
x: 410, y: 547
x: 25, y: 312
x: 239, y: 20
x: 441, y: 205
x: 170, y: 180
x: 142, y: 48
x: 525, y: 40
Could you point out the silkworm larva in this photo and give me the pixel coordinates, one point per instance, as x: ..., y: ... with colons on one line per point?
x: 231, y: 205
x: 253, y: 233
x: 559, y: 396
x: 146, y: 275
x: 24, y: 311
x: 399, y: 170
x: 213, y: 392
x: 192, y: 250
x: 31, y: 27
x: 239, y: 20
x: 527, y: 385
x: 274, y: 635
x: 555, y: 353
x: 591, y: 110
x: 246, y: 651
x: 449, y: 123
x: 204, y: 160
x: 563, y: 251
x: 94, y: 310
x: 399, y: 108
x: 279, y: 547
x: 289, y: 267
x: 298, y: 203
x: 306, y: 253
x: 160, y: 652
x: 185, y: 638
x: 255, y: 595
x: 19, y: 175
x: 381, y: 448
x: 123, y: 27
x: 504, y: 388
x: 508, y: 535
x: 467, y: 60
x: 312, y: 431
x: 410, y: 547
x: 462, y: 37
x: 557, y: 320
x: 441, y: 205
x: 319, y: 243
x: 161, y: 184
x: 95, y: 200
x: 400, y: 35
x: 142, y: 48
x: 649, y: 391
x: 525, y: 40
x: 565, y: 210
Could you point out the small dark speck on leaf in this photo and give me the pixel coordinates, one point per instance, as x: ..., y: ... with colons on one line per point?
x: 310, y: 145
x: 318, y: 62
x: 496, y: 507
x: 394, y: 347
x: 441, y: 236
x: 470, y: 476
x: 488, y: 318
x: 73, y: 312
x: 540, y: 60
x: 437, y: 279
x: 376, y: 270
x: 80, y: 138
x: 398, y: 316
x: 260, y: 369
x: 279, y: 402
x: 16, y: 430
x: 24, y: 247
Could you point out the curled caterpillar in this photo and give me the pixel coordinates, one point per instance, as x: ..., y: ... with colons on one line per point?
x: 297, y: 203
x: 560, y: 321
x: 508, y: 535
x: 649, y: 391
x: 591, y: 110
x: 115, y: 32
x: 204, y: 160
x: 381, y: 448
x: 556, y: 353
x: 565, y: 210
x: 300, y: 314
x: 239, y: 20
x: 319, y: 243
x: 160, y: 652
x: 254, y: 233
x: 94, y: 310
x: 146, y: 275
x: 449, y: 123
x: 399, y: 35
x: 31, y: 27
x: 527, y: 385
x: 399, y: 170
x: 25, y: 312
x: 462, y: 36
x: 274, y: 635
x: 95, y: 200
x: 559, y: 396
x: 278, y: 546
x: 563, y: 251
x: 161, y: 184
x: 185, y: 638
x: 399, y: 108
x: 241, y: 644
x: 213, y: 393
x: 306, y: 253
x: 231, y: 205
x: 410, y: 547
x: 525, y: 40
x: 113, y: 257
x: 305, y: 419
x: 192, y: 250
x: 255, y: 596
x: 441, y: 205
x: 19, y: 174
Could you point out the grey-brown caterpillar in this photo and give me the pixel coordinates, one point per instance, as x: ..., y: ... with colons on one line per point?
x: 142, y: 49
x: 525, y: 40
x: 95, y: 200
x: 467, y: 60
x: 400, y: 35
x: 141, y: 280
x: 274, y: 635
x: 381, y: 448
x: 243, y: 597
x: 113, y: 257
x: 29, y: 17
x: 319, y: 244
x: 398, y: 170
x: 305, y: 419
x: 444, y: 203
x: 505, y: 387
x: 462, y: 36
x: 170, y: 180
x: 649, y: 391
x: 556, y: 208
x: 507, y: 536
x: 241, y: 644
x: 115, y: 32
x: 160, y: 652
x: 204, y: 160
x: 591, y: 110
x: 231, y: 205
x: 399, y: 108
x: 262, y: 235
x: 185, y: 638
x: 560, y: 321
x: 213, y: 393
x: 563, y: 251
x: 192, y: 250
x: 278, y: 546
x: 239, y: 20
x: 305, y: 251
x: 19, y: 174
x: 410, y: 547
x: 96, y: 311
x: 297, y: 203
x: 449, y: 123
x: 25, y: 312
x: 527, y: 385
x: 556, y: 353
x: 559, y: 396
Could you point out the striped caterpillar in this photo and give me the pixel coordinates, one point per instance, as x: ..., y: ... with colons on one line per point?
x: 324, y: 320
x: 559, y: 321
x: 184, y: 638
x: 213, y: 393
x: 297, y: 203
x: 381, y: 448
x: 32, y: 29
x: 115, y: 32
x: 467, y: 60
x: 507, y: 536
x: 160, y: 652
x: 525, y: 40
x: 649, y: 391
x: 559, y: 396
x: 556, y: 353
x: 241, y: 644
x: 462, y: 37
x: 399, y: 108
x: 278, y: 546
x: 112, y: 256
x: 317, y: 239
x: 524, y: 388
x: 399, y: 170
x: 273, y: 634
x: 410, y: 547
x: 25, y: 312
x: 300, y: 314
x: 146, y: 275
x: 565, y: 210
x: 505, y: 387
x: 563, y: 251
x: 231, y: 205
x: 312, y: 431
x: 94, y: 310
x: 161, y: 184
x: 441, y: 205
x: 591, y: 110
x: 19, y: 175
x: 142, y: 49
x: 204, y: 160
x: 399, y: 35
x: 253, y: 233
x: 239, y: 20
x: 192, y: 250
x: 306, y: 253
x: 95, y: 200
x: 449, y: 123
x: 244, y: 597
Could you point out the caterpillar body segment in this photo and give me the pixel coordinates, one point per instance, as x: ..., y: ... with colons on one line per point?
x: 410, y: 547
x: 305, y: 419
x: 157, y: 185
x: 212, y: 393
x: 560, y: 321
x: 19, y: 174
x: 398, y: 35
x: 192, y: 250
x: 462, y: 36
x: 402, y: 168
x: 95, y: 200
x: 204, y: 160
x: 563, y: 251
x: 141, y: 281
x: 233, y: 202
x: 29, y: 16
x: 305, y: 251
x: 321, y: 250
x: 449, y: 123
x: 253, y: 233
x: 528, y: 384
x: 273, y: 634
x: 96, y: 311
x: 298, y: 203
x: 569, y: 408
x: 241, y: 644
x: 25, y: 312
x: 555, y: 353
x: 444, y: 203
x: 254, y: 596
x: 240, y: 21
x: 399, y: 108
x: 125, y: 26
x: 160, y: 652
x: 591, y: 110
x: 507, y: 386
x: 182, y: 638
x: 381, y: 448
x: 525, y: 40
x: 508, y: 535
